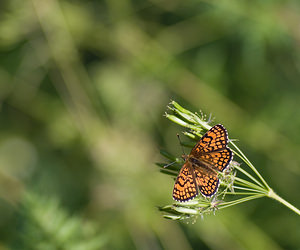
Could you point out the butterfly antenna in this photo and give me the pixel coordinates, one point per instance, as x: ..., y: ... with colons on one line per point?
x: 171, y: 163
x: 180, y: 143
x: 165, y: 166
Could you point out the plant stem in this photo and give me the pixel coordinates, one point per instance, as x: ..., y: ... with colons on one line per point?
x: 275, y: 196
x: 251, y: 166
x: 235, y: 202
x: 249, y: 175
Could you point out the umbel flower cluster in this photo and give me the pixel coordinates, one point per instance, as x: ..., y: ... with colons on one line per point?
x: 238, y: 183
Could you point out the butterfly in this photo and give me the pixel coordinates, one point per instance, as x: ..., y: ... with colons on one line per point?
x: 200, y: 170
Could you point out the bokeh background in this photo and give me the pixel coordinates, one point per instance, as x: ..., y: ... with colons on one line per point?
x: 83, y: 89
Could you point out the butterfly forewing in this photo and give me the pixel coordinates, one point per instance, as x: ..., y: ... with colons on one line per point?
x: 215, y: 139
x: 185, y: 187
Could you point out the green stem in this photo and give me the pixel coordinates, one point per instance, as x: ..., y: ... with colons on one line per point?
x: 248, y: 175
x: 246, y: 183
x: 242, y: 193
x: 251, y: 166
x: 275, y: 196
x: 238, y: 201
x: 249, y: 189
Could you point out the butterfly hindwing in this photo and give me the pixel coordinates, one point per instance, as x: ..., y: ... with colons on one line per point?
x: 218, y: 160
x: 185, y: 187
x: 207, y: 181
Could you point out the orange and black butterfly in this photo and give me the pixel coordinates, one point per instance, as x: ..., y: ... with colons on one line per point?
x: 200, y: 170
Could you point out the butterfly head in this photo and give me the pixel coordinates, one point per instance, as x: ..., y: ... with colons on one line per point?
x: 184, y: 157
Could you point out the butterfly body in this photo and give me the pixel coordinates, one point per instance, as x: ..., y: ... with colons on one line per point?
x: 200, y: 170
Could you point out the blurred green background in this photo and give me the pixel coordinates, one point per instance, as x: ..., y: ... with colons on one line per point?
x: 83, y: 89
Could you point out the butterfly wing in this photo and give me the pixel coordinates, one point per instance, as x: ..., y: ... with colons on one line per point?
x: 216, y: 138
x: 185, y: 187
x: 207, y: 181
x: 212, y: 148
x: 218, y: 160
